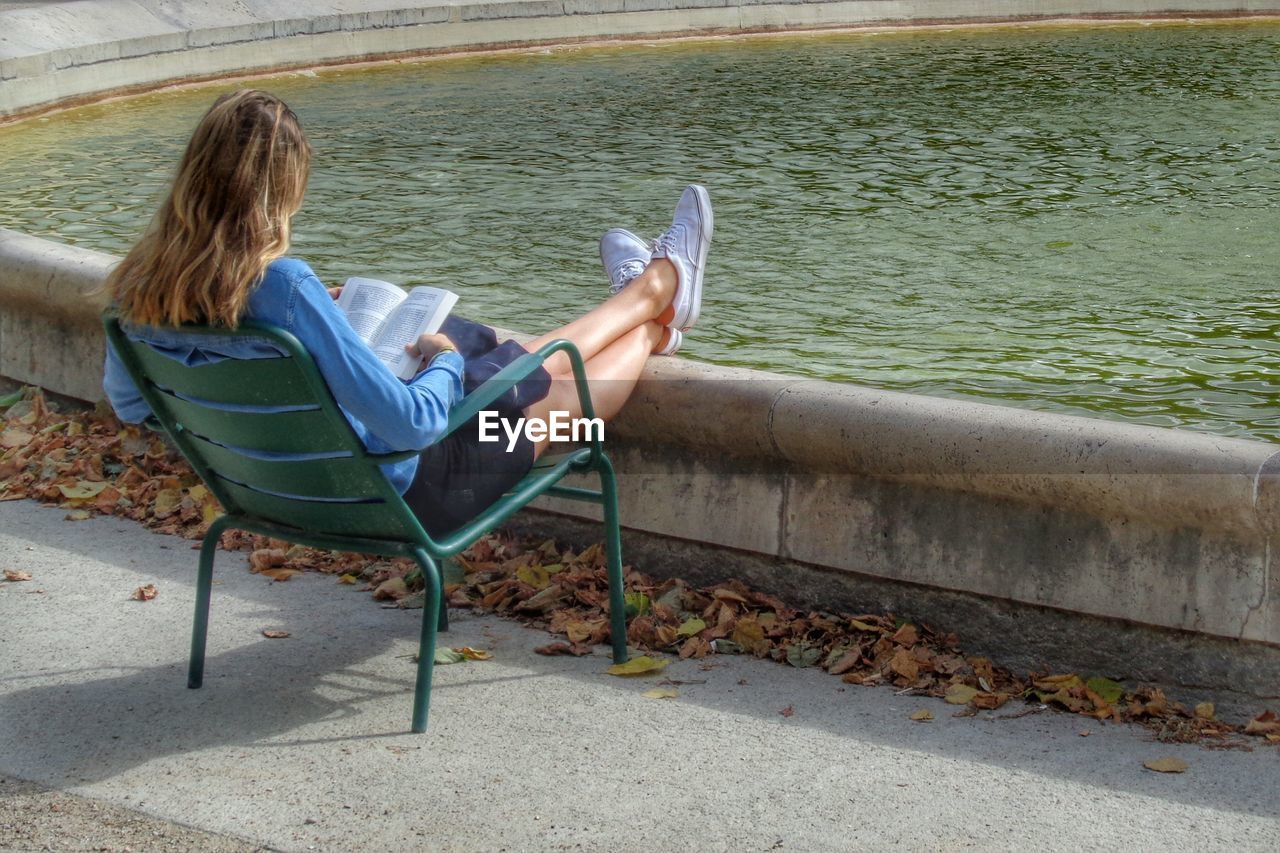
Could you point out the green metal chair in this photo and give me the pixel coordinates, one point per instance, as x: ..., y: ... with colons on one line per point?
x: 226, y: 416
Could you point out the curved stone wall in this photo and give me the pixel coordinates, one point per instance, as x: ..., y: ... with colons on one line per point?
x: 910, y: 500
x: 1158, y: 526
x: 58, y: 53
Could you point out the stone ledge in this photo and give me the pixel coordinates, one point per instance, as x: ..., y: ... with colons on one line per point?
x: 60, y: 53
x: 1152, y: 526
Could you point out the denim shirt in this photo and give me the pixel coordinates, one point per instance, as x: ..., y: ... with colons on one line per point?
x: 386, y: 413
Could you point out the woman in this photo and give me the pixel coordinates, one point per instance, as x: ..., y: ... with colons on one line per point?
x: 215, y: 254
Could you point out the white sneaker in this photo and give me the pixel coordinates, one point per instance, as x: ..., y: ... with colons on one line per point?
x: 674, y: 339
x: 685, y: 244
x: 624, y: 256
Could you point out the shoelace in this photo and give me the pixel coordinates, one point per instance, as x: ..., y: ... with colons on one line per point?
x: 625, y: 273
x: 665, y: 243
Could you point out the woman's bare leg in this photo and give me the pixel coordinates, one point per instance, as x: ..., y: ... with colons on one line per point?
x: 612, y: 374
x: 646, y: 298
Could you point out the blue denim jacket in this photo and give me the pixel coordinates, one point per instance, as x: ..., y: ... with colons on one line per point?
x: 387, y: 414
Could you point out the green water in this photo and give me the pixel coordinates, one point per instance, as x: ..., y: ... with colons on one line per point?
x: 1072, y: 220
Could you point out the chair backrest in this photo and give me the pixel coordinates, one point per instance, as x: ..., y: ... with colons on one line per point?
x: 267, y: 437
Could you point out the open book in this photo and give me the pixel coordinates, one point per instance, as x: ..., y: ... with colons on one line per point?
x: 387, y: 317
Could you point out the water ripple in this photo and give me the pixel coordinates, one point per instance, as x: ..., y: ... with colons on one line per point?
x: 1080, y: 221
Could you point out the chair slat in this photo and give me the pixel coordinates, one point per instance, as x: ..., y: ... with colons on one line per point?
x: 374, y: 520
x: 276, y: 381
x: 276, y: 432
x: 347, y: 477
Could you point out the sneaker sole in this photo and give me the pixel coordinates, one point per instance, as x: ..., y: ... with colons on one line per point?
x: 708, y: 222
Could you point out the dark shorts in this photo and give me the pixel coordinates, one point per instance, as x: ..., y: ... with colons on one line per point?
x: 460, y: 476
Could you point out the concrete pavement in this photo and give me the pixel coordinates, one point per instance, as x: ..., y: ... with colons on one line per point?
x: 302, y: 743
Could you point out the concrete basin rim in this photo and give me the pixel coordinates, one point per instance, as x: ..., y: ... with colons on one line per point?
x: 1168, y: 18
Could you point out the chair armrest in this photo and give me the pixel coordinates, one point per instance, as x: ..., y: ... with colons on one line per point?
x: 500, y: 383
x: 517, y: 371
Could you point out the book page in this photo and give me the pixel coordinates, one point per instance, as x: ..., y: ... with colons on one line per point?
x: 367, y: 302
x: 421, y: 313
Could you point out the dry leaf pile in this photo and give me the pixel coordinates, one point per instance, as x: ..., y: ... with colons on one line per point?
x: 90, y: 463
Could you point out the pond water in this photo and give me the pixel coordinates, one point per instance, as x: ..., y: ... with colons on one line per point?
x: 1078, y: 220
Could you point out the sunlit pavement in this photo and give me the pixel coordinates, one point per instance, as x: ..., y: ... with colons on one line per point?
x: 303, y: 742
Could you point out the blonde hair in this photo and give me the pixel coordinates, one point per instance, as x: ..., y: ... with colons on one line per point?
x: 225, y: 219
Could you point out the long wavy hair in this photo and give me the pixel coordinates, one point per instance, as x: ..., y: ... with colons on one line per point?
x: 225, y: 219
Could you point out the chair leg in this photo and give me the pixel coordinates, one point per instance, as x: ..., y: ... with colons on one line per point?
x: 442, y: 625
x: 204, y: 586
x: 613, y: 551
x: 427, y: 644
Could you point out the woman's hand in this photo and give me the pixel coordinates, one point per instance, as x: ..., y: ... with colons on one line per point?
x: 334, y: 292
x: 427, y: 347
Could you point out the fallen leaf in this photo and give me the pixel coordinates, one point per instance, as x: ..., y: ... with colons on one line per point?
x: 863, y: 626
x: 145, y: 593
x: 82, y: 490
x: 960, y: 694
x: 1265, y: 723
x: 729, y: 595
x: 1085, y: 733
x: 749, y: 634
x: 990, y: 701
x: 535, y: 576
x: 922, y: 716
x: 907, y: 635
x: 13, y: 575
x: 801, y: 655
x: 15, y: 438
x: 661, y: 693
x: 274, y: 635
x: 473, y: 654
x: 166, y: 503
x: 905, y: 665
x: 393, y: 589
x: 691, y: 627
x: 1110, y: 691
x: 444, y: 657
x: 347, y: 578
x: 847, y: 662
x: 266, y: 558
x: 1166, y: 765
x: 640, y: 665
x: 279, y: 575
x: 788, y: 711
x: 1205, y: 711
x: 581, y: 631
x: 78, y: 515
x: 544, y: 600
x: 637, y: 603
x: 695, y: 647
